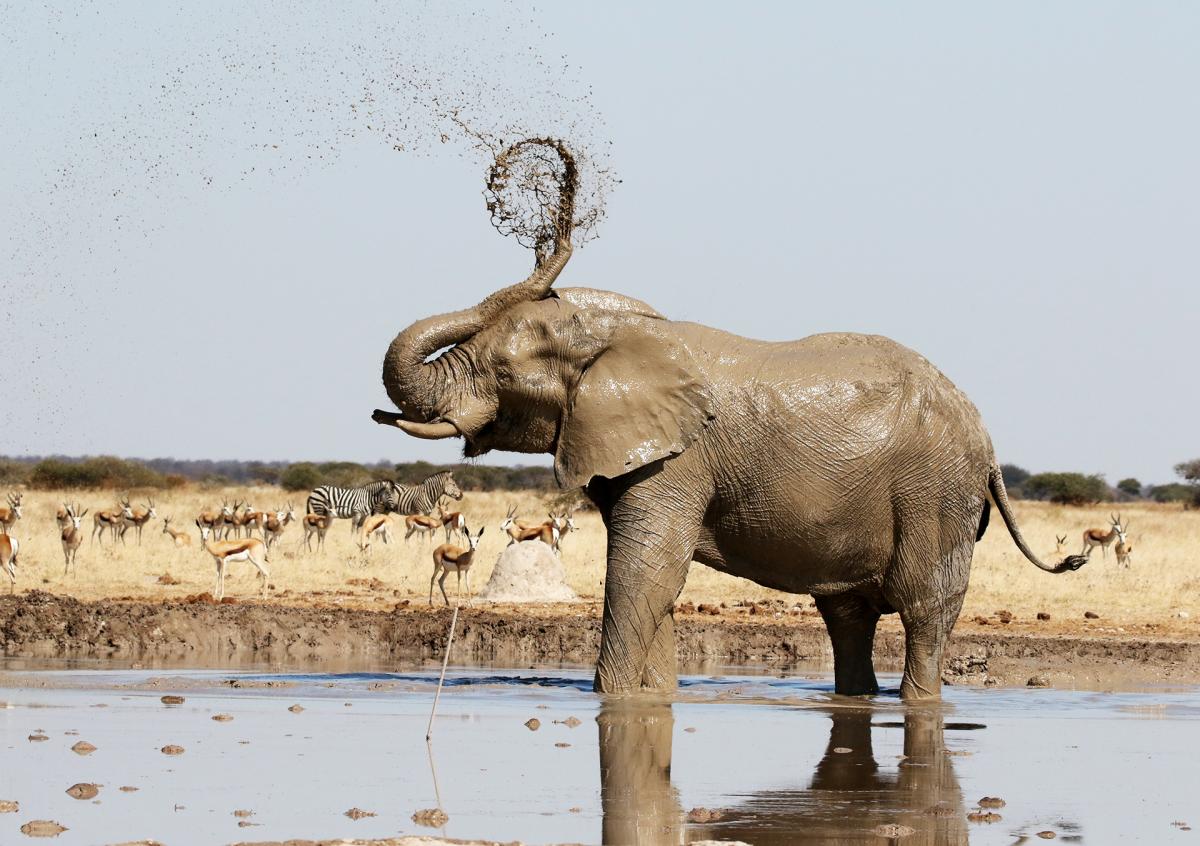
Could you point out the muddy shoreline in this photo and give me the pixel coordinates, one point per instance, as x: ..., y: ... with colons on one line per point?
x: 40, y: 625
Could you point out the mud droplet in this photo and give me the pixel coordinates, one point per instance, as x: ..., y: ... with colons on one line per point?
x: 1087, y: 615
x: 243, y: 813
x: 430, y: 817
x: 296, y: 709
x: 842, y: 750
x: 1047, y: 835
x: 562, y: 745
x: 83, y: 790
x: 172, y: 700
x: 991, y: 802
x: 704, y: 815
x: 83, y: 748
x: 42, y: 828
x: 127, y: 788
x: 533, y: 724
x: 7, y: 806
x: 172, y: 749
x: 222, y: 718
x: 984, y: 817
x: 359, y: 813
x: 1043, y: 616
x: 569, y: 722
x: 893, y: 831
x: 37, y: 738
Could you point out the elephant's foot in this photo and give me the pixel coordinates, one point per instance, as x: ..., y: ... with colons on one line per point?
x: 851, y: 621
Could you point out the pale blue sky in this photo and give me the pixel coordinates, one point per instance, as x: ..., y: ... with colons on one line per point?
x: 1012, y: 191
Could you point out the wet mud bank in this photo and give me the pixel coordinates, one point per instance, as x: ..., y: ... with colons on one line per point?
x: 43, y: 625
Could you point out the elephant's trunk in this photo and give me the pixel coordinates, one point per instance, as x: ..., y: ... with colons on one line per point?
x: 412, y: 382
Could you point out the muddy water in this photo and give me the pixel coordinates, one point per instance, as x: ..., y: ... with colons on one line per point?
x: 761, y: 759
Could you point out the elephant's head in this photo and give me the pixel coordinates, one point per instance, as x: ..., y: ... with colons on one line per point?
x: 599, y: 380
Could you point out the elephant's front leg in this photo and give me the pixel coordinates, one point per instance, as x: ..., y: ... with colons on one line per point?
x: 651, y: 540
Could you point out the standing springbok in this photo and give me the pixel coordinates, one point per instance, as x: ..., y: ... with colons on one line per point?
x: 245, y: 549
x: 452, y: 521
x: 566, y: 525
x: 111, y: 519
x: 179, y: 536
x: 420, y: 524
x: 62, y: 516
x: 138, y: 518
x: 1060, y: 545
x: 1124, y: 548
x: 241, y: 523
x: 376, y: 525
x: 214, y: 520
x: 8, y: 558
x: 1098, y: 537
x: 224, y: 524
x: 10, y: 515
x: 447, y: 558
x: 275, y: 523
x: 317, y: 524
x: 72, y: 538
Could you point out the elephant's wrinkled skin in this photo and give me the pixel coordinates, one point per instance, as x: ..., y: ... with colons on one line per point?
x: 845, y: 466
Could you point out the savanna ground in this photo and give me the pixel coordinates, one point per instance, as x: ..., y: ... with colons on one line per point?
x: 1157, y: 594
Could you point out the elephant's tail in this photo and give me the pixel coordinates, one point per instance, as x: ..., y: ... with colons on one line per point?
x: 1000, y: 496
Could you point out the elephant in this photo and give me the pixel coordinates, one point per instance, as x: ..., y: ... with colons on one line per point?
x: 841, y: 465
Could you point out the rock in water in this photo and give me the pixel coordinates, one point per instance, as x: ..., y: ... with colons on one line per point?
x: 528, y: 572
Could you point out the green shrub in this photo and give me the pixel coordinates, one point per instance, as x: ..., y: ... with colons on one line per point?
x: 103, y: 471
x: 300, y: 477
x: 13, y: 472
x: 1130, y: 487
x: 1172, y: 492
x: 1068, y: 488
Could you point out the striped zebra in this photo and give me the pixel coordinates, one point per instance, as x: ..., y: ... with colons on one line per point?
x: 382, y: 497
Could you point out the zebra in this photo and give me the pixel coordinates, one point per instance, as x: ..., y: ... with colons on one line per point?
x: 382, y: 497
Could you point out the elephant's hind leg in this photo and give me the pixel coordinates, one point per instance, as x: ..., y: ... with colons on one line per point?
x: 851, y: 620
x: 929, y: 602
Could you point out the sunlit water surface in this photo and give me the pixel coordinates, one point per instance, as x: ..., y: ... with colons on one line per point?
x: 779, y: 760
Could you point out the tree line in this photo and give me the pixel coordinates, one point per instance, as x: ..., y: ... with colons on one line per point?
x: 1084, y: 489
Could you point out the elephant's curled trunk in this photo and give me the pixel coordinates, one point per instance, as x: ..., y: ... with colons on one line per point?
x: 411, y: 381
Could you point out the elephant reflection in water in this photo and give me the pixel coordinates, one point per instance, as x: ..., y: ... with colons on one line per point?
x: 847, y: 798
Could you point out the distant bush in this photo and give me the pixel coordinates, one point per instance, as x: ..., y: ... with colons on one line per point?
x: 300, y: 477
x: 1014, y: 476
x: 481, y: 477
x: 1068, y: 488
x: 1189, y: 470
x: 13, y: 472
x: 1173, y: 492
x: 104, y: 471
x: 1130, y: 487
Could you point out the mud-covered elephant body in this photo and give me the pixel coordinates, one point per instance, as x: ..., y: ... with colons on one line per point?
x: 841, y: 465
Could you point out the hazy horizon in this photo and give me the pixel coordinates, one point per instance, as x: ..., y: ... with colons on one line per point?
x: 1011, y: 191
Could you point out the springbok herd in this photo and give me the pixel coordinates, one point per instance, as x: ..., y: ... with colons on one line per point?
x: 238, y: 532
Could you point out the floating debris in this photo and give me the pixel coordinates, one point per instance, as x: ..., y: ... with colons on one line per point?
x: 431, y: 817
x: 533, y: 724
x: 83, y: 790
x: 42, y: 828
x: 172, y: 700
x: 359, y: 813
x: 172, y: 749
x: 83, y: 748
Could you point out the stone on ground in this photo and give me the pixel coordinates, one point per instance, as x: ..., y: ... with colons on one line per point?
x: 528, y: 572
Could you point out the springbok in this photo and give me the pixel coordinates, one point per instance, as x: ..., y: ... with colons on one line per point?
x: 1098, y: 537
x: 242, y: 522
x: 276, y: 522
x: 1124, y: 548
x: 245, y: 549
x: 565, y: 524
x: 452, y: 521
x: 376, y: 525
x: 72, y: 538
x: 111, y: 519
x: 9, y: 547
x: 224, y: 524
x: 420, y: 524
x: 62, y: 517
x: 1060, y: 545
x: 317, y: 524
x: 252, y: 520
x: 11, y: 514
x: 180, y: 537
x: 138, y: 518
x: 522, y: 530
x: 446, y: 558
x: 214, y: 520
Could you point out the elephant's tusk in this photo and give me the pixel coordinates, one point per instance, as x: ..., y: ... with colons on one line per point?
x: 428, y: 431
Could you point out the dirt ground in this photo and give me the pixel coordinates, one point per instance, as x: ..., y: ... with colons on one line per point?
x: 770, y: 634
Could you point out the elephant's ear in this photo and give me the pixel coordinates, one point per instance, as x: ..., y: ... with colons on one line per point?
x: 641, y: 399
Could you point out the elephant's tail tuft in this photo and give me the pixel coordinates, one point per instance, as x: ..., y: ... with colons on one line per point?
x: 1000, y: 496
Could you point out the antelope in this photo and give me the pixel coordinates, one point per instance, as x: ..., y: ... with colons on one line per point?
x: 447, y: 558
x: 224, y: 524
x: 112, y: 520
x: 1060, y: 545
x: 1124, y: 548
x: 246, y: 549
x: 252, y: 520
x: 276, y: 523
x: 214, y: 520
x: 546, y: 532
x: 62, y: 516
x: 180, y: 537
x: 521, y: 530
x: 138, y: 518
x: 565, y: 524
x: 72, y: 538
x: 238, y: 522
x: 415, y: 523
x: 317, y: 524
x: 1098, y: 537
x: 452, y: 521
x: 377, y: 524
x: 11, y: 514
x: 8, y: 558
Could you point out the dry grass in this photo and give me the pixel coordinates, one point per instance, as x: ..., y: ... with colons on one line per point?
x: 1162, y: 581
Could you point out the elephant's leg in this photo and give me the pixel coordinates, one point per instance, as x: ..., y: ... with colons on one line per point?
x: 851, y: 623
x: 928, y: 592
x: 651, y: 540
